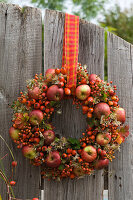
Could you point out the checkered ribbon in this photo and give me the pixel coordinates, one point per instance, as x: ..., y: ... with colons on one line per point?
x: 70, y: 48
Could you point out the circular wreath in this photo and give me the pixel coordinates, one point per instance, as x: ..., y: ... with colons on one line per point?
x: 62, y: 157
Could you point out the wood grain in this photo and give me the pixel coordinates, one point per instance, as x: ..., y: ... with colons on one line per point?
x: 20, y: 59
x: 71, y: 122
x: 120, y: 71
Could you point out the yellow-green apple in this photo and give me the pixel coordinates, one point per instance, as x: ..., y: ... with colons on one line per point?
x: 101, y: 109
x: 83, y: 92
x: 34, y: 93
x: 94, y: 77
x: 50, y: 74
x: 53, y: 159
x: 100, y: 164
x: 78, y: 171
x: 124, y: 131
x: 49, y: 136
x: 36, y: 116
x: 21, y: 120
x: 103, y: 138
x: 89, y: 154
x: 14, y: 133
x: 120, y: 114
x: 54, y: 93
x: 29, y: 152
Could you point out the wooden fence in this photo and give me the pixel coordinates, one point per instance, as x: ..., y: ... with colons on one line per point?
x: 21, y: 58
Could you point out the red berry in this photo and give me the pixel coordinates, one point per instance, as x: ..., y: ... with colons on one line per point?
x: 12, y: 183
x: 33, y: 101
x: 57, y: 71
x: 42, y: 108
x: 67, y: 91
x: 36, y: 105
x: 14, y: 163
x: 43, y: 95
x: 61, y: 79
x: 61, y: 84
x: 47, y: 103
x: 44, y: 87
x: 63, y: 70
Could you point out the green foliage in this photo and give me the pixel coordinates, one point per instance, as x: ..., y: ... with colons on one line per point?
x: 88, y: 9
x: 84, y: 8
x: 3, y: 1
x: 54, y: 5
x: 75, y: 144
x: 120, y: 22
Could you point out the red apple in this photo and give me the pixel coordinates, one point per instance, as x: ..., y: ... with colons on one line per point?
x: 103, y: 138
x: 120, y: 114
x: 49, y: 136
x: 36, y: 116
x: 83, y: 92
x: 14, y: 133
x: 89, y: 153
x: 34, y: 93
x: 100, y: 164
x: 29, y: 152
x: 54, y: 93
x: 53, y: 159
x: 101, y: 109
x: 35, y: 199
x: 94, y: 77
x: 50, y: 74
x: 103, y: 154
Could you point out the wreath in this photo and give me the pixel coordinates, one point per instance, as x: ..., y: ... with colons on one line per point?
x: 62, y: 157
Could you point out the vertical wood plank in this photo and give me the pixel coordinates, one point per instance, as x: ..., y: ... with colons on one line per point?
x: 120, y: 71
x: 20, y: 59
x: 72, y: 122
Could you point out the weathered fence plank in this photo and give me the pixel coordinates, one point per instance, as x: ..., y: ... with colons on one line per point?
x: 91, y: 52
x: 20, y: 59
x: 120, y: 71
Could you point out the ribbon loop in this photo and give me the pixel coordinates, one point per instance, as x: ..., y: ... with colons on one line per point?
x: 70, y: 48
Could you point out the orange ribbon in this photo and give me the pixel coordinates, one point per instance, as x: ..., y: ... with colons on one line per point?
x: 70, y: 48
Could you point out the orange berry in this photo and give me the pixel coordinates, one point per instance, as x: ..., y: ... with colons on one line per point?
x: 85, y: 109
x: 84, y: 144
x: 89, y: 115
x: 90, y: 99
x: 63, y: 71
x: 24, y: 100
x: 69, y: 150
x: 57, y: 71
x: 110, y: 103
x: 89, y: 133
x: 67, y: 91
x: 33, y: 101
x: 90, y: 110
x: 83, y: 81
x: 64, y: 155
x: 12, y: 183
x: 72, y: 176
x: 114, y: 98
x: 73, y: 152
x: 80, y: 160
x: 92, y: 137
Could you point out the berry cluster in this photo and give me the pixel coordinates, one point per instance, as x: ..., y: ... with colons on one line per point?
x: 62, y: 157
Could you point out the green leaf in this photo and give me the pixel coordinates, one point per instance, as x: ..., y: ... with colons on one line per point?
x: 61, y: 167
x: 0, y: 197
x: 52, y: 103
x: 73, y: 140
